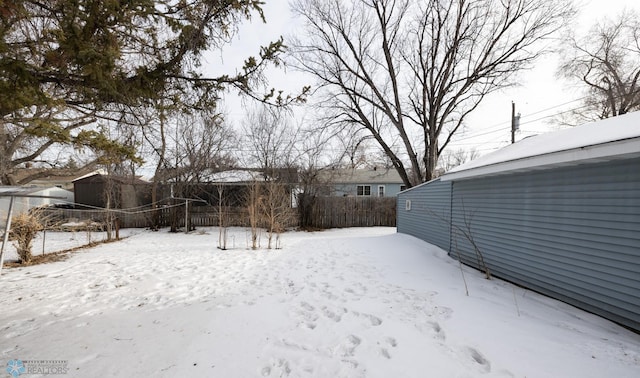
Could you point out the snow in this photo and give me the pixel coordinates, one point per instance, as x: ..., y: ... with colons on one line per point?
x: 233, y: 176
x: 607, y: 138
x: 361, y: 302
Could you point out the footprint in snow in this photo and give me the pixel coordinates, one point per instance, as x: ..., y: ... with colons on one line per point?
x: 391, y: 341
x: 445, y: 312
x: 306, y: 315
x: 371, y: 319
x: 432, y: 328
x: 277, y: 367
x: 307, y: 306
x: 336, y: 316
x: 348, y: 347
x: 476, y: 358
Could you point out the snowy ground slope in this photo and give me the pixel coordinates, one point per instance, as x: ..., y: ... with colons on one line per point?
x: 341, y: 303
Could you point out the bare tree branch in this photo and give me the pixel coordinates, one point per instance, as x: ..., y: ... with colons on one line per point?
x: 607, y: 61
x: 410, y: 73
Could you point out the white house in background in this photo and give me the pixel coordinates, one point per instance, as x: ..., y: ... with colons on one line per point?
x: 22, y: 204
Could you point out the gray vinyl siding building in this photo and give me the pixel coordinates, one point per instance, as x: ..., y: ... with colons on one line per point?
x: 564, y: 222
x: 424, y: 212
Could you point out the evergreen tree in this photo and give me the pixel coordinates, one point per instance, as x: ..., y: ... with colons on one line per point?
x: 64, y: 64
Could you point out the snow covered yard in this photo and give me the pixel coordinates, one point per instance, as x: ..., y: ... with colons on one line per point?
x: 340, y: 303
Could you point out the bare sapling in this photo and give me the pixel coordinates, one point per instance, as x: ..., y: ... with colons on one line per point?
x: 222, y: 220
x: 276, y: 211
x: 252, y: 201
x: 467, y: 231
x: 110, y: 197
x: 466, y: 288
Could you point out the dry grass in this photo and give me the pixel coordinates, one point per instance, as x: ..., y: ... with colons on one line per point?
x: 56, y: 256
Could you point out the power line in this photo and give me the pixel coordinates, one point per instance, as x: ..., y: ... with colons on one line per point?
x: 556, y: 106
x: 492, y: 130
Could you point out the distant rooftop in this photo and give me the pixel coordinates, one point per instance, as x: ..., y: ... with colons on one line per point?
x: 6, y: 191
x: 356, y: 176
x: 234, y: 176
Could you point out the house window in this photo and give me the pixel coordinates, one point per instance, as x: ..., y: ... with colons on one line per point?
x: 381, y: 191
x: 403, y: 188
x: 364, y: 190
x: 407, y: 205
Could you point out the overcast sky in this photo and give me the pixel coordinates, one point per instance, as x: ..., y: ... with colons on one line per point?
x: 488, y: 128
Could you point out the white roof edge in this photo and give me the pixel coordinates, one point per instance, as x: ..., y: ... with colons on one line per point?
x: 611, y: 150
x: 572, y: 145
x: 419, y: 185
x: 92, y: 173
x: 16, y: 190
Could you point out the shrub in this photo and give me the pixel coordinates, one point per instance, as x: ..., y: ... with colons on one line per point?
x: 24, y: 228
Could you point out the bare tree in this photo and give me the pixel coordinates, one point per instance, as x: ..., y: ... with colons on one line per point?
x: 195, y: 148
x: 269, y: 138
x: 453, y: 158
x: 315, y: 161
x: 271, y: 144
x: 199, y: 146
x: 607, y: 62
x: 409, y: 73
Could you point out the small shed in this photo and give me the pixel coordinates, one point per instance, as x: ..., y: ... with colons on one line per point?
x: 557, y: 213
x: 125, y: 192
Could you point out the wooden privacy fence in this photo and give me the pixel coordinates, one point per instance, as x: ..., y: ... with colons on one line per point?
x: 328, y: 212
x: 338, y: 212
x: 163, y: 217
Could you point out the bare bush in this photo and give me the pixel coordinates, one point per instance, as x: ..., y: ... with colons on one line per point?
x: 276, y: 210
x: 24, y: 228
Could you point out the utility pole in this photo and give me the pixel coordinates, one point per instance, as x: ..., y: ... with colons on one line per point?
x: 515, y: 122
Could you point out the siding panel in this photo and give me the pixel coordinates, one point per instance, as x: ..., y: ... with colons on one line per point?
x: 572, y: 233
x: 430, y: 213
